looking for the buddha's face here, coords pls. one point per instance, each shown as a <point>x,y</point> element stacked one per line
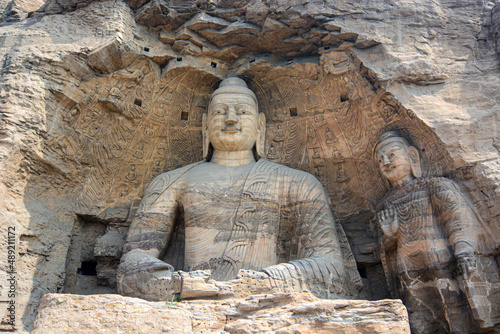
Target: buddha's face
<point>394,162</point>
<point>232,122</point>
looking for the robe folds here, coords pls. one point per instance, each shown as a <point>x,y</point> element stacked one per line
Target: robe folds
<point>271,218</point>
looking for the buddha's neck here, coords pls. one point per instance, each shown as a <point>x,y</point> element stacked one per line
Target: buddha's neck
<point>235,158</point>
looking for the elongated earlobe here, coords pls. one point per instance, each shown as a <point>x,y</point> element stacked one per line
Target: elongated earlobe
<point>204,132</point>
<point>415,161</point>
<point>261,136</point>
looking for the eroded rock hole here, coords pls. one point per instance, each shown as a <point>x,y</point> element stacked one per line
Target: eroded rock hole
<point>214,65</point>
<point>184,115</point>
<point>88,268</point>
<point>146,49</point>
<point>138,102</point>
<point>293,112</point>
<point>362,272</point>
<point>344,97</point>
<point>179,58</point>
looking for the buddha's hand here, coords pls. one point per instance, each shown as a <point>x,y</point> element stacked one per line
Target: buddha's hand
<point>164,284</point>
<point>388,221</point>
<point>142,275</point>
<point>247,273</point>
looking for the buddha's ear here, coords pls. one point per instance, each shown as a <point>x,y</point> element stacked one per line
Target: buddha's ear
<point>261,136</point>
<point>204,133</point>
<point>415,161</point>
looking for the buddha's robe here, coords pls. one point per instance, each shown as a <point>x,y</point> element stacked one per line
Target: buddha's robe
<point>436,228</point>
<point>270,217</point>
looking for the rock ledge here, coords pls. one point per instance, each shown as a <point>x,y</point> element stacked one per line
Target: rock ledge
<point>278,313</point>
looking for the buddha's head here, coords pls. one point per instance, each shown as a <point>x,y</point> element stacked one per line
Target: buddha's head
<point>233,122</point>
<point>398,161</point>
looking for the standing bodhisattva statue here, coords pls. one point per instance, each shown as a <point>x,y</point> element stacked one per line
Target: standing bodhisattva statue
<point>243,216</point>
<point>429,244</point>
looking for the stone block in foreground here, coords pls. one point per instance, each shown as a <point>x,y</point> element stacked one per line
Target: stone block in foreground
<point>279,313</point>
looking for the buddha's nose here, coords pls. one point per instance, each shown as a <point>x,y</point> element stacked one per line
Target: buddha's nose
<point>385,160</point>
<point>231,117</point>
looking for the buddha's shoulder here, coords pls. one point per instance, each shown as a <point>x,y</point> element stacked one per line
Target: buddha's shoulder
<point>266,167</point>
<point>165,179</point>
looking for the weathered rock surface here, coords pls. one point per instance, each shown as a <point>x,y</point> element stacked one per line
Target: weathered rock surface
<point>276,313</point>
<point>434,61</point>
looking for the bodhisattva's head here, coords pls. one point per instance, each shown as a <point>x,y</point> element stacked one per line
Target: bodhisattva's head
<point>233,122</point>
<point>398,161</point>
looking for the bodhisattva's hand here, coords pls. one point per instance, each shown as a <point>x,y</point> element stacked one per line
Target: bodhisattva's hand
<point>388,221</point>
<point>467,265</point>
<point>466,259</point>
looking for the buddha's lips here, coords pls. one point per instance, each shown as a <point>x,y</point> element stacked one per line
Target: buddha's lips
<point>231,129</point>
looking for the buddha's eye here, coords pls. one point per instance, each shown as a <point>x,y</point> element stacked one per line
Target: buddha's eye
<point>392,154</point>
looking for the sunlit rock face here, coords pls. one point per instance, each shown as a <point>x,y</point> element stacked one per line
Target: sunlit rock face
<point>99,98</point>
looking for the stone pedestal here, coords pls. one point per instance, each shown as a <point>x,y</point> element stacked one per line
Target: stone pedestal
<point>277,313</point>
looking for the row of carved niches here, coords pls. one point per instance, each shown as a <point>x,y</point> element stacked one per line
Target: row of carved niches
<point>324,115</point>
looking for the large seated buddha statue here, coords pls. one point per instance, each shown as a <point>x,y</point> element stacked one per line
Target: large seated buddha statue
<point>241,216</point>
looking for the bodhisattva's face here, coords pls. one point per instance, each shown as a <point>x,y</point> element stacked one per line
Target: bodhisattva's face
<point>232,122</point>
<point>394,162</point>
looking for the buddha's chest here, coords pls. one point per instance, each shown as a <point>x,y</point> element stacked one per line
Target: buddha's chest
<point>230,209</point>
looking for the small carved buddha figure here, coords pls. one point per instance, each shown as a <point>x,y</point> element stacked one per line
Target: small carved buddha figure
<point>342,175</point>
<point>312,140</point>
<point>243,216</point>
<point>337,156</point>
<point>149,132</point>
<point>428,246</point>
<point>330,137</point>
<point>131,174</point>
<point>160,110</point>
<point>319,120</point>
<point>280,134</point>
<point>316,154</point>
<point>272,154</point>
<point>139,152</point>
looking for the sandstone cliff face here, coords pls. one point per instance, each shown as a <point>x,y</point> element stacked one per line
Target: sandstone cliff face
<point>430,66</point>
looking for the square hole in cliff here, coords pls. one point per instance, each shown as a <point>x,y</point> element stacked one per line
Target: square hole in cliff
<point>88,268</point>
